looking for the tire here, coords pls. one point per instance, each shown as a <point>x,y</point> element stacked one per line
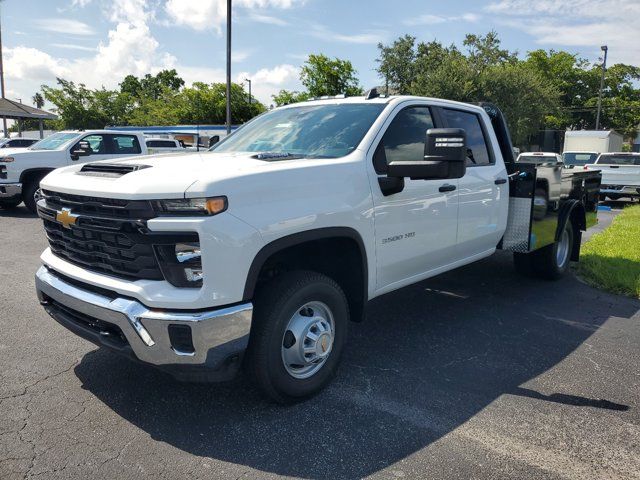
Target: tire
<point>10,204</point>
<point>28,194</point>
<point>553,261</point>
<point>298,301</point>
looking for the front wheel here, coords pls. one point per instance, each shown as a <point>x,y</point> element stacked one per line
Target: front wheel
<point>29,195</point>
<point>298,334</point>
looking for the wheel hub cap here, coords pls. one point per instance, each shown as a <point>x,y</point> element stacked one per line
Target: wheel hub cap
<point>308,340</point>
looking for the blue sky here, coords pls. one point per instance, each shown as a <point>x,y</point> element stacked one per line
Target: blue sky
<point>97,42</point>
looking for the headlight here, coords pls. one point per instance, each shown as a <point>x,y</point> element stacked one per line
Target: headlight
<point>181,264</point>
<point>191,206</point>
<point>7,159</point>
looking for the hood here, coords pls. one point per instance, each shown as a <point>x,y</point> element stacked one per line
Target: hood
<point>151,176</point>
<point>10,152</point>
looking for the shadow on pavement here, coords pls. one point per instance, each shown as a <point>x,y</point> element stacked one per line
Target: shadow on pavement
<point>18,212</point>
<point>427,359</point>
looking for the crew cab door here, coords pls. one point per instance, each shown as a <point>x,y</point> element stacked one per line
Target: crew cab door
<point>415,227</point>
<point>483,192</point>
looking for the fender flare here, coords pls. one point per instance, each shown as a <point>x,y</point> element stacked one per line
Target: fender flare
<point>565,213</point>
<point>288,241</point>
<point>38,171</point>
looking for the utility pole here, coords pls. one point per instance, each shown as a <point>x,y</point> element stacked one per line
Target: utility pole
<point>604,69</point>
<point>249,82</point>
<point>228,67</point>
<point>4,119</point>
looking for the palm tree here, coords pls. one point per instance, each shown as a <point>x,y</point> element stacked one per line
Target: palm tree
<point>38,101</point>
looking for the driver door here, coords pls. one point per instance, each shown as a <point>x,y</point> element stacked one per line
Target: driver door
<point>416,227</point>
<point>98,151</point>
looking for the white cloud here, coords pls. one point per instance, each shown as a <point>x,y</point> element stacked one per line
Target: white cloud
<point>268,81</point>
<point>211,14</point>
<point>369,37</point>
<point>577,23</point>
<point>63,25</point>
<point>22,63</point>
<point>73,46</point>
<point>268,19</point>
<point>429,19</point>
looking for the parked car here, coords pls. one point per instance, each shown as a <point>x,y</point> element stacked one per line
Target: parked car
<point>540,157</point>
<point>579,159</point>
<point>22,169</point>
<point>17,142</point>
<point>164,145</point>
<point>620,175</point>
<point>262,251</point>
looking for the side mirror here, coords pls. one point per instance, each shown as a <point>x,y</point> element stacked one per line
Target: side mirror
<point>445,155</point>
<point>80,149</point>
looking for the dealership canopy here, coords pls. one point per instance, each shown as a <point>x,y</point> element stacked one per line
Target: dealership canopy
<point>18,111</point>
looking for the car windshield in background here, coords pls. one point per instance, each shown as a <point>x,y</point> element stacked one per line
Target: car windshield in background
<point>579,159</point>
<point>536,159</point>
<point>312,131</point>
<point>619,160</point>
<point>52,142</point>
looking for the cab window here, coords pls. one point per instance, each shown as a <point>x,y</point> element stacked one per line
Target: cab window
<point>125,144</point>
<point>97,144</point>
<point>477,150</point>
<point>405,138</point>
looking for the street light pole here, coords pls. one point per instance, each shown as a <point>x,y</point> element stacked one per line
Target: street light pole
<point>4,119</point>
<point>604,69</point>
<point>249,82</point>
<point>228,67</point>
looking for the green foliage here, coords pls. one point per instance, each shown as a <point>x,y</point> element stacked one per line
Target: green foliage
<point>151,100</point>
<point>287,97</point>
<point>321,75</point>
<point>547,89</point>
<point>611,259</point>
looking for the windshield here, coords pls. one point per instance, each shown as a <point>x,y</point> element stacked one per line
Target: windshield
<point>579,159</point>
<point>314,131</point>
<point>536,159</point>
<point>52,142</point>
<point>619,160</point>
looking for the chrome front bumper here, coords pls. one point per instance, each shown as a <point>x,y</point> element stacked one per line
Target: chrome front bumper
<point>9,190</point>
<point>219,337</point>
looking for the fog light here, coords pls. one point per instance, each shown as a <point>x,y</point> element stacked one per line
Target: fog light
<point>181,264</point>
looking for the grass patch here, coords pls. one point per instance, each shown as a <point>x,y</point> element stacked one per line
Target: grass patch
<point>611,259</point>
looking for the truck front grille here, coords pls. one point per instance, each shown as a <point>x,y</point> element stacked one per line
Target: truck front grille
<point>106,236</point>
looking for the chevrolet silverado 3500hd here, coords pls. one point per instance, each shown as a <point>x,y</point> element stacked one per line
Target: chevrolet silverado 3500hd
<point>262,251</point>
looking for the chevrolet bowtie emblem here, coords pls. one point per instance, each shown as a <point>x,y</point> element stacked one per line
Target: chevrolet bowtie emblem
<point>66,218</point>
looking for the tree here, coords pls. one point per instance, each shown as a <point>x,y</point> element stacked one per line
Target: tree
<point>38,100</point>
<point>323,76</point>
<point>484,51</point>
<point>397,64</point>
<point>287,97</point>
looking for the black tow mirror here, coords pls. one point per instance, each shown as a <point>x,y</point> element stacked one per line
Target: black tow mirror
<point>445,154</point>
<point>80,149</point>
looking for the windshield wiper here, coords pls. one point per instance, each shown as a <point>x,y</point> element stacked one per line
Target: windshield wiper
<point>274,156</point>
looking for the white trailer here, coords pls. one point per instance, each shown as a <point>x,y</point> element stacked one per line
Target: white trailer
<point>600,141</point>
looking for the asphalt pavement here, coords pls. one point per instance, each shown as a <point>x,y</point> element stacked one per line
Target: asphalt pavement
<point>478,373</point>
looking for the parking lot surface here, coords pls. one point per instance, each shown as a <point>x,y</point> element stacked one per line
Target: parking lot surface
<point>478,373</point>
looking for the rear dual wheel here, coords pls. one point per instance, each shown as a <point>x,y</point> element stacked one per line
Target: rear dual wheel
<point>550,262</point>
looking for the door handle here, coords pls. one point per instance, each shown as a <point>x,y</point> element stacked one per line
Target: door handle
<point>501,181</point>
<point>447,188</point>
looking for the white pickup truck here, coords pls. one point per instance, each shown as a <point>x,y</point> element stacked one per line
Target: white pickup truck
<point>262,251</point>
<point>620,175</point>
<point>22,169</point>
